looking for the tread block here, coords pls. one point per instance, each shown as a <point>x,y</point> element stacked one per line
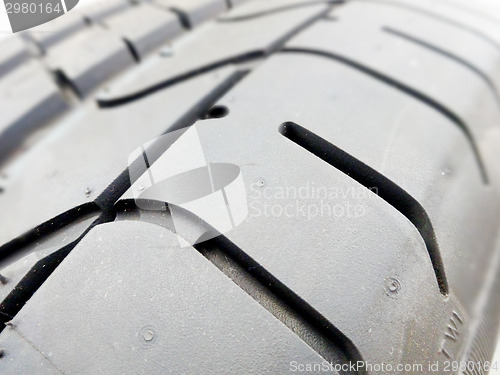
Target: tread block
<point>29,98</point>
<point>65,172</point>
<point>195,12</point>
<point>173,304</point>
<point>14,52</point>
<point>145,27</point>
<point>89,58</point>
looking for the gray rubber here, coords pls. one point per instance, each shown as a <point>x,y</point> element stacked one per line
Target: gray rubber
<point>398,100</point>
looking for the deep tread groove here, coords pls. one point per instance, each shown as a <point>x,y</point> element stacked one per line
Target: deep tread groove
<point>132,50</point>
<point>67,87</point>
<point>449,55</point>
<point>183,18</point>
<point>46,228</point>
<point>368,177</point>
<point>409,91</point>
<point>295,313</point>
<point>38,274</point>
<point>107,103</point>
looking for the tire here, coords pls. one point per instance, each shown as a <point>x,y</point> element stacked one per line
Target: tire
<point>252,187</point>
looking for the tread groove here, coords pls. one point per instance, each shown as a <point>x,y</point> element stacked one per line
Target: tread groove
<point>40,272</point>
<point>437,17</point>
<point>183,18</point>
<point>132,50</point>
<point>291,310</point>
<point>69,90</point>
<point>280,9</point>
<point>46,228</point>
<point>368,177</point>
<point>409,91</point>
<point>449,55</point>
<point>108,103</point>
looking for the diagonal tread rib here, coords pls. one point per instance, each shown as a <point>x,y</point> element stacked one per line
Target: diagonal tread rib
<point>367,176</point>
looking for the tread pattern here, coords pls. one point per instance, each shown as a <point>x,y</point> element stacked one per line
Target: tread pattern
<point>342,289</point>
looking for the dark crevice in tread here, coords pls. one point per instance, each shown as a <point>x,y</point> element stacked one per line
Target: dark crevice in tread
<point>290,309</point>
<point>449,55</point>
<point>218,111</point>
<point>66,86</point>
<point>183,18</point>
<point>368,177</point>
<point>280,9</point>
<point>132,50</point>
<point>409,91</point>
<point>89,21</point>
<point>438,17</point>
<point>46,228</point>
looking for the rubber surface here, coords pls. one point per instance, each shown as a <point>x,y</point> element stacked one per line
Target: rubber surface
<point>393,104</point>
